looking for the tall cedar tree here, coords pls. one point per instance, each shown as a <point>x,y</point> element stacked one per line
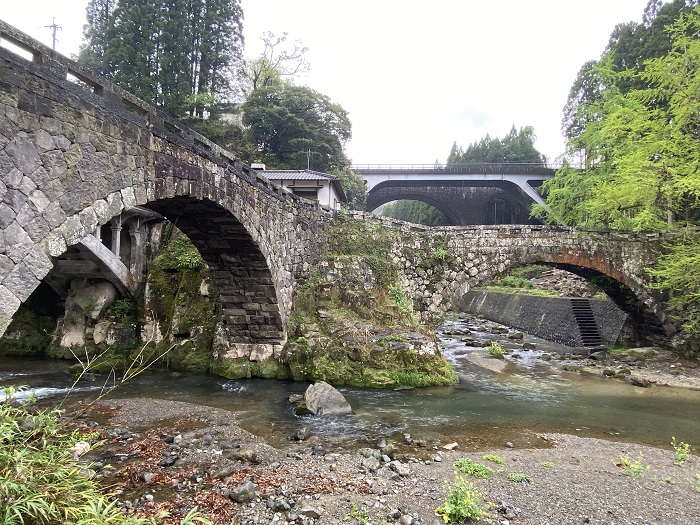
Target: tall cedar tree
<point>516,146</point>
<point>178,54</point>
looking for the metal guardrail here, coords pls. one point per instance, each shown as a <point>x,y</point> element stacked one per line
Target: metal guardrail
<point>501,167</point>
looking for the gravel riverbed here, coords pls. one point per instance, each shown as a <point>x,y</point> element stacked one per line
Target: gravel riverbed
<point>168,455</point>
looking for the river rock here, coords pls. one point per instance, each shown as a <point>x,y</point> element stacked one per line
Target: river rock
<point>322,399</point>
<point>641,353</point>
<point>371,464</point>
<point>244,492</point>
<point>640,381</point>
<point>401,469</point>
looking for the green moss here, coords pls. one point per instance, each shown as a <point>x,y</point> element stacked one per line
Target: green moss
<point>269,369</point>
<point>29,334</point>
<point>229,368</point>
<point>196,362</point>
<point>175,279</point>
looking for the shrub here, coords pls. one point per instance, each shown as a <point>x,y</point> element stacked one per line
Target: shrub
<point>498,460</point>
<point>477,470</point>
<point>510,281</point>
<point>631,467</point>
<point>463,503</point>
<point>40,481</point>
<point>682,451</point>
<point>495,350</point>
<point>519,477</point>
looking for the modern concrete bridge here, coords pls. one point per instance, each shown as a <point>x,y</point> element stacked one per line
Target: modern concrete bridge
<point>77,153</point>
<point>468,194</point>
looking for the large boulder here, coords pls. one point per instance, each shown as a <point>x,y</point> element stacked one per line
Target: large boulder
<point>322,399</point>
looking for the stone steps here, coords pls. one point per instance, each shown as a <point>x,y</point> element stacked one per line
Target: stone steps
<point>587,326</point>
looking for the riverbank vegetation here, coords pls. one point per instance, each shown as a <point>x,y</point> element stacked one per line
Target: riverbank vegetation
<point>41,480</point>
<point>632,160</point>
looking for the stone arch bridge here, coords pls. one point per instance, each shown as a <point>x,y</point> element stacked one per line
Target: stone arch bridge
<point>76,152</point>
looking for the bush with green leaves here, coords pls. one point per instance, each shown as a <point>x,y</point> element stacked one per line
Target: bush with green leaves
<point>40,481</point>
<point>519,477</point>
<point>493,458</point>
<point>470,468</point>
<point>681,450</point>
<point>463,503</point>
<point>495,350</point>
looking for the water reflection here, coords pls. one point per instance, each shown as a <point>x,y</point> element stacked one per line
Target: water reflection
<point>527,397</point>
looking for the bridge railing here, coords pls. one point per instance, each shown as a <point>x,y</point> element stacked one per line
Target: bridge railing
<point>475,167</point>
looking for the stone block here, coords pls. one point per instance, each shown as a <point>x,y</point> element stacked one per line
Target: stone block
<point>21,281</point>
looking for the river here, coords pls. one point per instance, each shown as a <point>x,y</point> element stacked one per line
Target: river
<point>527,399</point>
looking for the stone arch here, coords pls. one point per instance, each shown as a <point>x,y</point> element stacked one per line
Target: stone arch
<point>73,155</point>
<point>647,316</point>
<point>239,269</point>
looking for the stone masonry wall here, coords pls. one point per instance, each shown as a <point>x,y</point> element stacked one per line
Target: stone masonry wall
<point>551,318</point>
<point>75,154</point>
<point>440,265</point>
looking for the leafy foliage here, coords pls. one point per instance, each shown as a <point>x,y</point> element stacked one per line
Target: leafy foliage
<point>632,120</point>
<point>516,146</point>
<point>275,64</point>
<point>41,482</point>
<point>495,350</point>
<point>178,54</point>
<point>470,468</point>
<point>294,127</point>
<point>417,212</point>
<point>681,450</point>
<point>354,187</point>
<point>463,503</point>
<point>493,458</point>
<point>631,467</point>
<point>519,477</point>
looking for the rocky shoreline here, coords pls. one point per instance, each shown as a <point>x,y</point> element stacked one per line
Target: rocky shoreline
<point>168,455</point>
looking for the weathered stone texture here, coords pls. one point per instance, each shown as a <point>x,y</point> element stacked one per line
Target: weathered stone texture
<point>470,256</point>
<point>71,160</point>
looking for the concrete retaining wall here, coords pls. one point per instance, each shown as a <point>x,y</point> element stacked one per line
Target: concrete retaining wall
<point>551,318</point>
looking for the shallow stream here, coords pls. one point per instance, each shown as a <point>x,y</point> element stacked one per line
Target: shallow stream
<point>528,397</point>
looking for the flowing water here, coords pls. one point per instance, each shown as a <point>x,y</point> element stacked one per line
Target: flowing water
<point>528,397</point>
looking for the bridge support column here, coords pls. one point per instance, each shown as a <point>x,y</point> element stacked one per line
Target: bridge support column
<point>116,236</point>
<point>136,261</point>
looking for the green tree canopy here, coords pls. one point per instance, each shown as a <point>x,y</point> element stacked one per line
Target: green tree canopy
<point>294,127</point>
<point>642,168</point>
<point>178,54</point>
<point>516,146</point>
<point>417,212</point>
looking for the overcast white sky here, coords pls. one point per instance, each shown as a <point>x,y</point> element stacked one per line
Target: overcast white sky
<point>415,76</point>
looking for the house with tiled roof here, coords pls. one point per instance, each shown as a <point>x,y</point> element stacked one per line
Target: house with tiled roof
<point>309,184</point>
